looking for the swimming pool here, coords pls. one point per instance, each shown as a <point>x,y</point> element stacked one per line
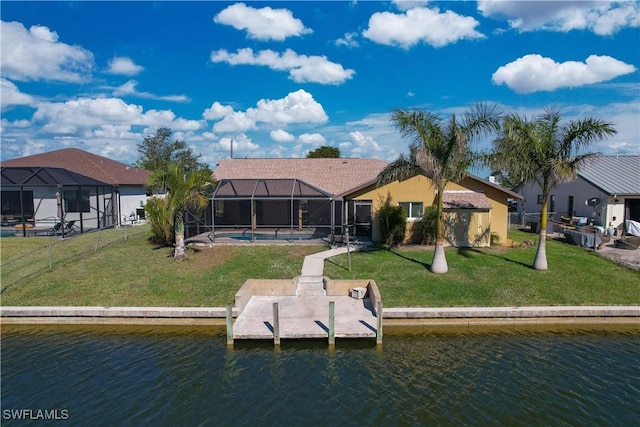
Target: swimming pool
<point>269,236</point>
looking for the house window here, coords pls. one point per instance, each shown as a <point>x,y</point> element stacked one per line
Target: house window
<point>11,203</point>
<point>414,210</point>
<point>540,199</point>
<point>219,208</point>
<point>76,201</point>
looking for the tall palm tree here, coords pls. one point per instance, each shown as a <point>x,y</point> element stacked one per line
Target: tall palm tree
<point>440,150</point>
<point>544,151</point>
<point>185,190</point>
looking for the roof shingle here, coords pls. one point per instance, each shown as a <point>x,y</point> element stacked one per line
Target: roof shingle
<point>84,163</point>
<point>334,176</point>
<point>465,200</point>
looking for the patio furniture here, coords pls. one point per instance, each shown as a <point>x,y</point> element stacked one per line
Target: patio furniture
<point>584,240</point>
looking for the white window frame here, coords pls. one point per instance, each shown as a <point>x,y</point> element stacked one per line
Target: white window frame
<point>411,208</point>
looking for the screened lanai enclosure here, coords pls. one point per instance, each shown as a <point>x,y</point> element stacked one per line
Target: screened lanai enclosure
<point>55,201</point>
<point>255,209</point>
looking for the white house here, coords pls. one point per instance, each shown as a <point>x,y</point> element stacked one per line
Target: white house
<point>614,180</point>
<point>92,190</point>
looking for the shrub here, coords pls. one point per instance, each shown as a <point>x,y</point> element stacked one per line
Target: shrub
<point>393,223</point>
<point>159,216</point>
<point>429,225</point>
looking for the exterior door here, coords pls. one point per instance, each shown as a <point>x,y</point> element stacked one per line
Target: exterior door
<point>362,218</point>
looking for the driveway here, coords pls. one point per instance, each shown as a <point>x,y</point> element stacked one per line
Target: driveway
<point>625,257</point>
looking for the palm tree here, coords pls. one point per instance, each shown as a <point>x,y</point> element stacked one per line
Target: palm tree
<point>440,150</point>
<point>185,190</point>
<point>544,151</point>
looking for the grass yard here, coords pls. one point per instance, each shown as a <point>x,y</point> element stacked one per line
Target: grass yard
<point>135,273</point>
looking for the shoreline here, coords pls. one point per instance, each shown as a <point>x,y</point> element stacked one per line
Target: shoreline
<point>459,317</point>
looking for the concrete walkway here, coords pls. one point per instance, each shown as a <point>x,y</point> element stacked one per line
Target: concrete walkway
<point>313,265</point>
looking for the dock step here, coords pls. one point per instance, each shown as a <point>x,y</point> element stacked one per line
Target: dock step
<point>310,286</point>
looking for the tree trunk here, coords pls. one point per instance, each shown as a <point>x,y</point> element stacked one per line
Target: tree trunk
<point>179,253</point>
<point>540,262</point>
<point>439,262</point>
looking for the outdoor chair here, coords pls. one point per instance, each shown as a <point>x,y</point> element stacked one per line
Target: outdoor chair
<point>53,231</point>
<point>70,226</point>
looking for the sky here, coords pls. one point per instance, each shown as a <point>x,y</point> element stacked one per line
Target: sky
<point>279,79</point>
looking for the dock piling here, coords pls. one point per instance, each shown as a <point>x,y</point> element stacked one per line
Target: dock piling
<point>379,318</point>
<point>276,324</point>
<point>229,325</point>
<point>332,323</point>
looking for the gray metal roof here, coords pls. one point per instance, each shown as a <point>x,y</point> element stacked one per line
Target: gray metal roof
<point>615,175</point>
<point>44,176</point>
<point>267,189</point>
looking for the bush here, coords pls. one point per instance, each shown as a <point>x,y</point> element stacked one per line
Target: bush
<point>429,225</point>
<point>393,223</point>
<point>159,216</point>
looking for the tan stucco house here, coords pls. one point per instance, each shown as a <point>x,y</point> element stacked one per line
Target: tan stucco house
<point>325,194</point>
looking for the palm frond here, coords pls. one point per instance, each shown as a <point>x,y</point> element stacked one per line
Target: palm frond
<point>401,169</point>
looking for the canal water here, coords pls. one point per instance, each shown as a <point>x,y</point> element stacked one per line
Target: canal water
<point>97,376</point>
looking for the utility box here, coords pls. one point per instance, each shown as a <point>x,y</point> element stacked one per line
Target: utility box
<point>357,293</point>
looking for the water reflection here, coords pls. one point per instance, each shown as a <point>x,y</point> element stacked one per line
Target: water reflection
<point>190,377</point>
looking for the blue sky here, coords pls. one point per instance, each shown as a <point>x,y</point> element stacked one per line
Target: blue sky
<point>282,78</point>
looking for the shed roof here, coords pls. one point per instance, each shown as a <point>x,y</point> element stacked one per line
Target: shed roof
<point>39,176</point>
<point>84,163</point>
<point>332,176</point>
<point>465,200</point>
<point>615,175</point>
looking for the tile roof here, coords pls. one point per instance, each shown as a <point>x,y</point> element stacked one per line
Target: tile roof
<point>465,200</point>
<point>84,163</point>
<point>615,175</point>
<point>334,176</point>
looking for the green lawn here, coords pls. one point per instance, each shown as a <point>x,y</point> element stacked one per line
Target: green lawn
<point>136,273</point>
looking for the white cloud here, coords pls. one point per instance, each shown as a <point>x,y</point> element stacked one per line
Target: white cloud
<point>241,143</point>
<point>420,25</point>
<point>36,54</point>
<point>533,73</point>
<point>217,111</point>
<point>296,107</point>
<point>281,135</point>
<point>312,138</point>
<point>235,121</point>
<point>83,115</point>
<point>11,95</point>
<point>124,65</point>
<point>129,89</point>
<point>601,17</point>
<point>361,145</point>
<point>349,40</point>
<point>409,4</point>
<point>262,24</point>
<point>301,68</point>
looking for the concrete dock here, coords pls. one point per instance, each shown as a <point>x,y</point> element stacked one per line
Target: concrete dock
<point>305,317</point>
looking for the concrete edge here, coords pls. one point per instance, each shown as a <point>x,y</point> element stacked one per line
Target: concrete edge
<point>217,315</point>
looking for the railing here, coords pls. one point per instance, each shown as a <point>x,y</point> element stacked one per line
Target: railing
<point>52,255</point>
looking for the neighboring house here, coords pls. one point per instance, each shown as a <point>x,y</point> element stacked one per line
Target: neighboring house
<point>321,193</point>
<point>92,190</point>
<point>614,180</point>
